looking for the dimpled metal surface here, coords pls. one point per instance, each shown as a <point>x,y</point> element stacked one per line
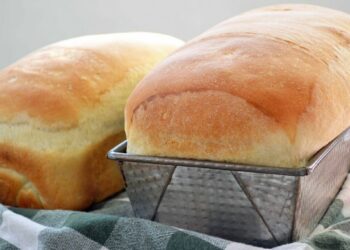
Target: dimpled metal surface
<point>318,189</point>
<point>212,202</point>
<point>274,197</point>
<point>251,204</point>
<point>145,186</point>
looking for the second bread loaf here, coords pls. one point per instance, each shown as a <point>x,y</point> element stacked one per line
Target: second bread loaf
<point>62,109</point>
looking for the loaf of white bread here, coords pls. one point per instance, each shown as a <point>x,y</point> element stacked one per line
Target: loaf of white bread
<point>62,109</point>
<point>268,87</point>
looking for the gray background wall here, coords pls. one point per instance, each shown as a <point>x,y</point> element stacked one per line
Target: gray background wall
<point>26,25</point>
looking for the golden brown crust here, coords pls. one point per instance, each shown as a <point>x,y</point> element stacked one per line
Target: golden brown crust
<point>61,110</point>
<point>261,81</point>
<point>102,170</point>
<point>46,181</point>
<point>76,76</point>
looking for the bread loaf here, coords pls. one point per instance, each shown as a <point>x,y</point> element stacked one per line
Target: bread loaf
<point>268,87</point>
<point>62,109</point>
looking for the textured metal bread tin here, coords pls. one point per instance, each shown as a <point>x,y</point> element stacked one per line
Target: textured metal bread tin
<point>258,205</point>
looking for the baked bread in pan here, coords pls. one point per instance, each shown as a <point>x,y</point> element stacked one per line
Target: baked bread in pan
<point>268,87</point>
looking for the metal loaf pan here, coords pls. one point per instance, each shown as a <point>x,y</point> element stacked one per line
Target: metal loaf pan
<point>265,206</point>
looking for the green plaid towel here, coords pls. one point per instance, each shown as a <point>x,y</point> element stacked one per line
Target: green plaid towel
<point>111,225</point>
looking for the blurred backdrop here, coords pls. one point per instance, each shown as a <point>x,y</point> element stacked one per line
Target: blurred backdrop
<point>27,25</point>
